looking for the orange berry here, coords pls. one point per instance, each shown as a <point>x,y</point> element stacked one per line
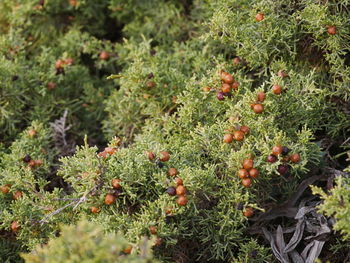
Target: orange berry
<point>38,162</point>
<point>51,85</point>
<point>248,212</point>
<point>235,85</point>
<point>295,158</point>
<point>104,55</point>
<point>15,226</point>
<point>150,84</point>
<point>128,249</point>
<point>95,209</point>
<point>236,60</point>
<point>172,172</point>
<point>153,230</point>
<point>258,108</point>
<point>248,164</point>
<point>32,133</point>
<point>246,182</point>
<point>109,199</point>
<point>31,163</point>
<point>259,17</point>
<point>277,150</point>
<point>227,78</point>
<point>261,96</point>
<point>244,129</point>
<point>276,89</point>
<point>5,188</point>
<point>180,190</point>
<point>182,200</point>
<point>110,150</point>
<point>150,155</point>
<point>332,30</point>
<point>164,156</point>
<point>238,135</point>
<point>116,183</point>
<point>243,173</point>
<point>226,88</point>
<point>254,172</point>
<point>179,181</point>
<point>228,138</point>
<point>17,195</point>
<point>206,89</point>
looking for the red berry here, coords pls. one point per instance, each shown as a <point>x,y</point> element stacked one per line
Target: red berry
<point>227,77</point>
<point>247,182</point>
<point>277,150</point>
<point>109,199</point>
<point>164,156</point>
<point>59,64</point>
<point>182,200</point>
<point>220,96</point>
<point>116,183</point>
<point>254,172</point>
<point>32,133</point>
<point>276,89</point>
<point>95,209</point>
<point>17,195</point>
<point>104,55</point>
<point>228,138</point>
<point>295,158</point>
<point>5,188</point>
<point>172,172</point>
<point>259,17</point>
<point>271,158</point>
<point>226,88</point>
<point>248,212</point>
<point>248,164</point>
<point>153,230</point>
<point>244,129</point>
<point>180,190</point>
<point>282,169</point>
<point>238,135</point>
<point>261,96</point>
<point>150,155</point>
<point>243,173</point>
<point>237,60</point>
<point>15,226</point>
<point>258,108</point>
<point>332,30</point>
<point>235,85</point>
<point>179,181</point>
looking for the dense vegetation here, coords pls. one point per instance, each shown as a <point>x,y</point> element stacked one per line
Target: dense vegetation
<point>174,131</point>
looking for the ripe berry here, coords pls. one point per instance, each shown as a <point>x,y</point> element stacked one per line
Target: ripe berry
<point>110,150</point>
<point>244,129</point>
<point>282,74</point>
<point>51,85</point>
<point>276,89</point>
<point>17,195</point>
<point>247,182</point>
<point>94,209</point>
<point>15,226</point>
<point>228,138</point>
<point>104,55</point>
<point>153,230</point>
<point>116,183</point>
<point>172,172</point>
<point>26,158</point>
<point>32,133</point>
<point>180,190</point>
<point>128,249</point>
<point>258,108</point>
<point>282,169</point>
<point>238,135</point>
<point>243,173</point>
<point>109,199</point>
<point>248,212</point>
<point>182,200</point>
<point>237,60</point>
<point>261,96</point>
<point>220,96</point>
<point>254,172</point>
<point>5,188</point>
<point>206,89</point>
<point>295,158</point>
<point>179,181</point>
<point>285,150</point>
<point>235,85</point>
<point>164,156</point>
<point>150,155</point>
<point>286,158</point>
<point>59,64</point>
<point>31,163</point>
<point>226,88</point>
<point>171,191</point>
<point>150,84</point>
<point>332,30</point>
<point>259,17</point>
<point>38,162</point>
<point>277,150</point>
<point>271,159</point>
<point>248,164</point>
<point>158,242</point>
<point>227,78</point>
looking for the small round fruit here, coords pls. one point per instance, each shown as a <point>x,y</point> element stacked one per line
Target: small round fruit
<point>32,133</point>
<point>277,150</point>
<point>164,156</point>
<point>332,30</point>
<point>276,89</point>
<point>243,173</point>
<point>238,135</point>
<point>153,230</point>
<point>182,200</point>
<point>254,173</point>
<point>180,190</point>
<point>116,183</point>
<point>244,129</point>
<point>295,158</point>
<point>104,55</point>
<point>171,191</point>
<point>285,150</point>
<point>73,2</point>
<point>228,138</point>
<point>248,164</point>
<point>248,212</point>
<point>38,162</point>
<point>95,209</point>
<point>220,96</point>
<point>59,64</point>
<point>179,181</point>
<point>247,182</point>
<point>128,249</point>
<point>15,226</point>
<point>258,108</point>
<point>172,172</point>
<point>235,85</point>
<point>282,169</point>
<point>109,199</point>
<point>227,78</point>
<point>206,89</point>
<point>226,88</point>
<point>150,84</point>
<point>281,73</point>
<point>17,195</point>
<point>31,163</point>
<point>5,188</point>
<point>261,96</point>
<point>158,242</point>
<point>237,61</point>
<point>271,158</point>
<point>259,17</point>
<point>51,85</point>
<point>150,156</point>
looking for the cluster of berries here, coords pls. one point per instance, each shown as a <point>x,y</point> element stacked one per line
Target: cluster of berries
<point>247,172</point>
<point>284,151</point>
<point>237,135</point>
